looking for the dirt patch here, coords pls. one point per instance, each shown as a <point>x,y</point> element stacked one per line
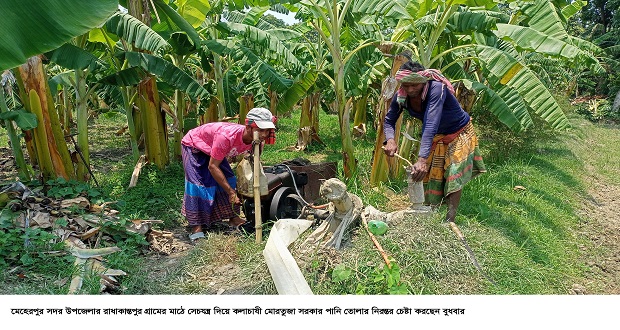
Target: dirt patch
<point>8,170</point>
<point>602,228</point>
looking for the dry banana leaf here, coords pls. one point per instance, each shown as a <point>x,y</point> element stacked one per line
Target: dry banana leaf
<point>80,202</point>
<point>41,219</point>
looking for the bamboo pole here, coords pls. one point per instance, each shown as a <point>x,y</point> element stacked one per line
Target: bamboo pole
<point>257,212</point>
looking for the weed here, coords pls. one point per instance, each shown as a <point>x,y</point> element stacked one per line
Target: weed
<point>24,246</point>
<point>598,110</point>
<point>61,188</point>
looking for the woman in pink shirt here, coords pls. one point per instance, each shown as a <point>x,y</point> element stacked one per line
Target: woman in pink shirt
<point>210,183</point>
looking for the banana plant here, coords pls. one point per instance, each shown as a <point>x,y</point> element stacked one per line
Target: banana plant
<point>333,21</point>
<point>81,62</point>
<point>136,53</point>
<point>260,61</point>
<point>28,35</point>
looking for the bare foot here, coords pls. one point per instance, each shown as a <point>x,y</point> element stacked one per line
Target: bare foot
<point>236,222</point>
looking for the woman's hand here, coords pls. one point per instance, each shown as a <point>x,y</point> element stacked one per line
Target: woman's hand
<point>232,197</point>
<point>419,170</point>
<point>390,148</point>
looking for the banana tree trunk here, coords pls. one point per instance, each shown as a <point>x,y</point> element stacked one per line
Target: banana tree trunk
<point>153,124</point>
<point>180,109</point>
<point>179,101</point>
<point>68,112</point>
<point>308,121</point>
<point>348,157</point>
<point>154,121</point>
<point>466,97</point>
<point>81,100</point>
<point>310,112</point>
<point>218,73</point>
<point>28,135</point>
<point>219,80</point>
<point>211,115</point>
<point>129,95</point>
<point>61,107</point>
<point>51,148</point>
<point>381,166</point>
<point>246,103</point>
<point>22,168</point>
<point>273,102</point>
<point>359,116</point>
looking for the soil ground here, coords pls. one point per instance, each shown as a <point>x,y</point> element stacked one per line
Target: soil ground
<point>601,208</point>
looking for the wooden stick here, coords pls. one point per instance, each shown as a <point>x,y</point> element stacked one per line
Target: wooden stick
<point>401,157</point>
<point>257,212</point>
<point>374,240</point>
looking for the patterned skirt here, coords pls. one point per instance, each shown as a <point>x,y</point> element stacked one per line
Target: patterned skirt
<point>454,160</point>
<point>204,201</point>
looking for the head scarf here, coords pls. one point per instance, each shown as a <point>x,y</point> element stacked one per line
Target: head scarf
<point>407,76</point>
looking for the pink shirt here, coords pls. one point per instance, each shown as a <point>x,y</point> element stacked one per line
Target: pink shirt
<point>219,139</point>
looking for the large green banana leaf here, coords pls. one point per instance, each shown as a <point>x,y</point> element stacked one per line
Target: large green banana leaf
<point>532,40</point>
<point>31,27</point>
<point>516,75</point>
<point>25,120</point>
<point>516,104</point>
<point>573,8</point>
<point>284,34</point>
<point>231,92</point>
<point>74,58</point>
<point>66,79</point>
<point>252,16</point>
<point>537,97</point>
<point>297,91</point>
<point>468,22</point>
<point>382,8</point>
<point>142,63</point>
<point>495,104</point>
<point>267,74</point>
<point>501,16</point>
<point>593,50</point>
<point>127,77</point>
<point>542,16</point>
<point>194,11</point>
<point>178,20</point>
<point>262,41</point>
<point>134,31</point>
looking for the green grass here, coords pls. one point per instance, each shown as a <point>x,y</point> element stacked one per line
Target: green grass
<point>4,138</point>
<point>527,241</point>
